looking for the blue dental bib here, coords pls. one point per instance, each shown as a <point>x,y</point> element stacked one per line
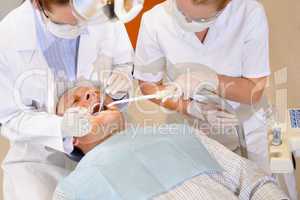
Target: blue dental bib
<point>138,164</point>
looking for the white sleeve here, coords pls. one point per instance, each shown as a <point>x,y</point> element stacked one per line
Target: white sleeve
<point>25,124</point>
<point>122,47</point>
<point>256,45</point>
<point>122,55</point>
<point>149,63</point>
<point>113,44</point>
<point>34,127</point>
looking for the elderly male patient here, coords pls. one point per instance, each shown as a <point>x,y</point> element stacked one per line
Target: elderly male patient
<point>104,123</point>
<point>155,166</point>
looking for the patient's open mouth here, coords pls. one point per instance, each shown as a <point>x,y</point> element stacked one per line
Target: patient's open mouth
<point>94,109</point>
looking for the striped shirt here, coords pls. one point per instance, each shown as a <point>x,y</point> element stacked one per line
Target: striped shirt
<point>60,53</point>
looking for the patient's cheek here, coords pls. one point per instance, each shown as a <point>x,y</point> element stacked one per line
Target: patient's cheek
<point>84,104</point>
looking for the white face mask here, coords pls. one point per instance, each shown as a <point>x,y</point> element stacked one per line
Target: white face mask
<point>64,31</point>
<point>190,26</point>
<point>124,15</point>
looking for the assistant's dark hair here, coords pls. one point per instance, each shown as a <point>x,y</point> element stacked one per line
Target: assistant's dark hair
<point>46,5</point>
<point>110,10</point>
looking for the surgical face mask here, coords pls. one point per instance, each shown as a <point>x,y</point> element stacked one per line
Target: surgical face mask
<point>100,11</point>
<point>190,25</point>
<point>126,14</point>
<point>64,31</point>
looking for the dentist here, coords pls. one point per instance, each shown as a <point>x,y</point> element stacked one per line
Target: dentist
<point>47,47</point>
<point>220,46</point>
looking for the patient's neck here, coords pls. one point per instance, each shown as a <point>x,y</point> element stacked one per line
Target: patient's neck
<point>85,148</point>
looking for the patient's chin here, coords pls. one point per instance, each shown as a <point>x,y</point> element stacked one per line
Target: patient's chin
<point>85,146</point>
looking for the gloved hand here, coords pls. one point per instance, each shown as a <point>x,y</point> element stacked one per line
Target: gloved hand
<point>118,84</point>
<point>212,113</point>
<point>76,122</point>
<point>194,82</point>
<point>170,92</point>
<point>116,79</point>
<point>76,106</point>
<point>80,110</point>
<point>104,125</point>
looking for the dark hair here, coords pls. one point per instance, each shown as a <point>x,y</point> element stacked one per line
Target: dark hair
<point>46,5</point>
<point>110,10</point>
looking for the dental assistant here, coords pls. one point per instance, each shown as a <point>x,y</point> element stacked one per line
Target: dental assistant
<point>48,46</point>
<point>222,45</point>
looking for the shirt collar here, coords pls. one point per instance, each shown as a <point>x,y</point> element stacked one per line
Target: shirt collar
<point>41,30</point>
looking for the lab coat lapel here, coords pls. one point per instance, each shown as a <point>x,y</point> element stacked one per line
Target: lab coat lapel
<point>87,55</point>
<point>33,60</point>
<point>31,57</point>
<point>190,38</point>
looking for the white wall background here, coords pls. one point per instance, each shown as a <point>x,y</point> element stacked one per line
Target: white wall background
<point>7,5</point>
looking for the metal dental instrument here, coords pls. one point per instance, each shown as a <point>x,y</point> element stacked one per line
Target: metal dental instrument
<point>206,97</point>
<point>158,95</point>
<point>134,99</point>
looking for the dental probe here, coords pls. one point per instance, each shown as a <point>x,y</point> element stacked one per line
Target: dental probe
<point>158,95</point>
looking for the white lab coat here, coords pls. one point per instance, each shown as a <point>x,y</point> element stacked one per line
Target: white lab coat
<point>237,45</point>
<point>35,161</point>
